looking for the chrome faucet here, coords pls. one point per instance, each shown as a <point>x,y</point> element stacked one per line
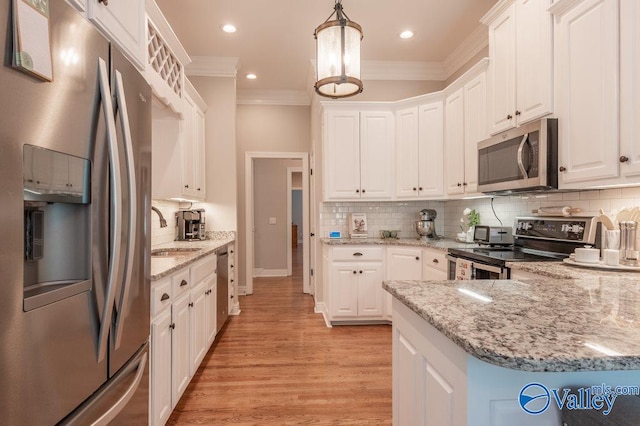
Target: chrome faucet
<point>163,222</point>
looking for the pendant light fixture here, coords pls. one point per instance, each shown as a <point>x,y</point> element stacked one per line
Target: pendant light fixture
<point>338,56</point>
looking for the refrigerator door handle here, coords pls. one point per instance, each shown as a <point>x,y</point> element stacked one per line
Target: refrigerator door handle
<point>116,408</point>
<point>122,303</point>
<point>116,191</point>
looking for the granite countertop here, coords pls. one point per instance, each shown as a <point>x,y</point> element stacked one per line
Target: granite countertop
<point>163,266</point>
<point>562,270</point>
<point>541,324</point>
<point>442,244</point>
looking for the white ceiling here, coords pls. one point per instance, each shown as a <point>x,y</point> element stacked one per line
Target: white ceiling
<point>275,38</point>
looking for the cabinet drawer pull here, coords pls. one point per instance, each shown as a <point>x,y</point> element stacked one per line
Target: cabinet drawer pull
<point>435,261</point>
<point>357,253</point>
<point>164,297</point>
<point>105,2</point>
<point>183,283</point>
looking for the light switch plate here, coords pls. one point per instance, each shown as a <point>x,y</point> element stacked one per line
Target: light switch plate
<point>272,221</point>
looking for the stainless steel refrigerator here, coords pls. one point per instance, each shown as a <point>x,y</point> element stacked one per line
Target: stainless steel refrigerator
<point>75,179</point>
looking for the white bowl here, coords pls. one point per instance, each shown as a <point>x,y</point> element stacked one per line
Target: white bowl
<point>587,255</point>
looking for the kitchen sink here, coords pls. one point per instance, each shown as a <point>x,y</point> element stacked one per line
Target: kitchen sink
<point>173,252</point>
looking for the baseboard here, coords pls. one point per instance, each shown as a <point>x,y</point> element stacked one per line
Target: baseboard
<point>261,272</point>
<point>321,308</point>
<point>242,291</point>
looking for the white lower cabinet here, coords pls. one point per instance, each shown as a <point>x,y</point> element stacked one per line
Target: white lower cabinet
<point>183,316</point>
<point>355,283</point>
<point>434,265</point>
<point>402,263</point>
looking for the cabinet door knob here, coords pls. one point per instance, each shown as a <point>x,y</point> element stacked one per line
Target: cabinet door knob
<point>360,271</point>
<point>183,283</point>
<point>198,189</point>
<point>624,159</point>
<point>464,184</point>
<point>417,257</point>
<point>186,186</point>
<point>164,297</point>
<point>459,184</point>
<point>415,189</point>
<point>562,168</point>
<point>357,191</point>
<point>420,188</point>
<point>172,325</point>
<point>363,191</point>
<point>517,112</point>
<point>355,272</point>
<point>191,304</point>
<point>105,2</point>
<point>509,116</point>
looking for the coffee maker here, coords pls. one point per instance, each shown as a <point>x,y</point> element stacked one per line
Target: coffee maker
<point>191,225</point>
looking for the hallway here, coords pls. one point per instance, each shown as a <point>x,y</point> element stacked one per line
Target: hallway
<point>277,363</point>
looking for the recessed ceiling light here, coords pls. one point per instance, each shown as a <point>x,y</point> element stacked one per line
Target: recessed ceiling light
<point>406,34</point>
<point>228,28</point>
<point>251,76</point>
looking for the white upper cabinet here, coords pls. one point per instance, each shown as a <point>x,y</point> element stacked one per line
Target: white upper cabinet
<point>475,128</point>
<point>358,155</point>
<point>520,70</point>
<point>193,167</point>
<point>454,141</point>
<point>124,23</point>
<point>630,88</point>
<point>587,87</point>
<point>419,151</point>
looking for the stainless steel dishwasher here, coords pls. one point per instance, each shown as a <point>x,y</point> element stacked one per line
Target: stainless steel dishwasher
<point>222,284</point>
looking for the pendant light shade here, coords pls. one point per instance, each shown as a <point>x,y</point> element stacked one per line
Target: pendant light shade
<point>338,56</point>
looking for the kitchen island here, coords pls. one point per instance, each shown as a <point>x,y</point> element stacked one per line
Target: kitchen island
<point>464,350</point>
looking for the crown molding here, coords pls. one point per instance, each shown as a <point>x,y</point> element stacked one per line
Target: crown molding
<point>213,66</point>
<point>470,47</point>
<point>272,97</point>
<point>496,11</point>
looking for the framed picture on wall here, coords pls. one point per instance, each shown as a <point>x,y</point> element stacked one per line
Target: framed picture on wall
<point>358,225</point>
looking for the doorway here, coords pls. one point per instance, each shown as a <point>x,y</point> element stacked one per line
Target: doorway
<point>259,223</point>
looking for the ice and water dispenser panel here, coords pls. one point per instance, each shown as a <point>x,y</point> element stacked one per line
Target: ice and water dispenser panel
<point>57,226</point>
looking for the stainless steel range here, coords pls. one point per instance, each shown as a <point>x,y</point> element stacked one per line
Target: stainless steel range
<point>536,239</point>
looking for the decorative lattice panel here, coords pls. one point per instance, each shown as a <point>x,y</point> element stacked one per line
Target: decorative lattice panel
<point>163,61</point>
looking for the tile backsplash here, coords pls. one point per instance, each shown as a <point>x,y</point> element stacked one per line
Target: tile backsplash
<point>402,215</point>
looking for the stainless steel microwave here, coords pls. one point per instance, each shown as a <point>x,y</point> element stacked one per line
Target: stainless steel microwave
<point>523,159</point>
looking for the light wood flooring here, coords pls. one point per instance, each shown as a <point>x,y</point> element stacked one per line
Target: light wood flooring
<point>278,364</point>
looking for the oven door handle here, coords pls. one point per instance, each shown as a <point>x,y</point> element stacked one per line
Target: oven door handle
<point>478,265</point>
<point>488,268</point>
